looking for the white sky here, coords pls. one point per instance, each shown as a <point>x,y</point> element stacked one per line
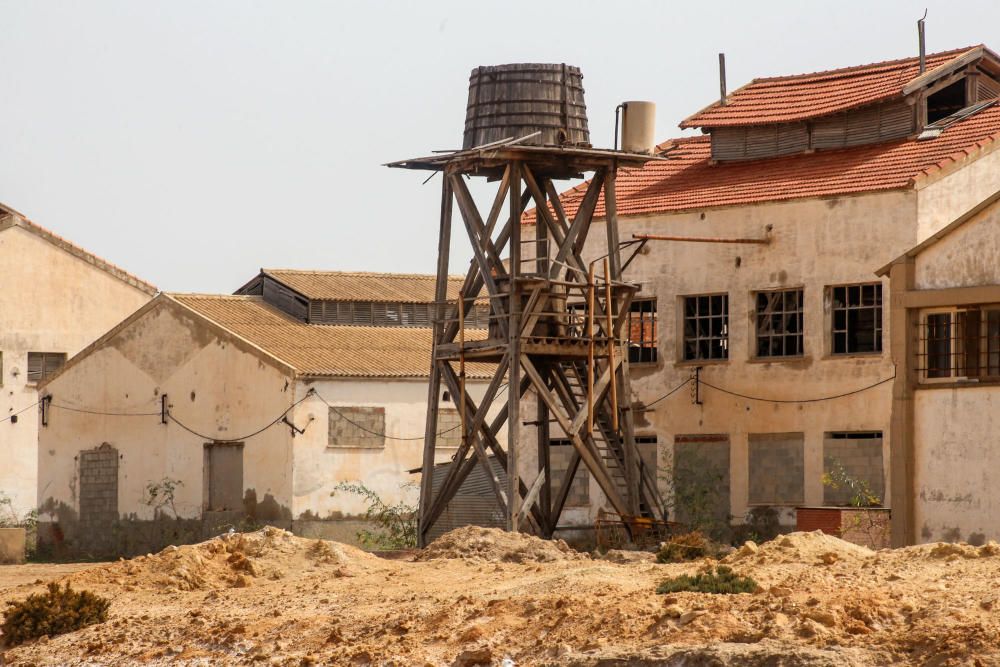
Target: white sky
<point>194,142</point>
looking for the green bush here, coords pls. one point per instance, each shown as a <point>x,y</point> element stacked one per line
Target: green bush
<point>683,547</point>
<point>52,613</point>
<point>722,581</point>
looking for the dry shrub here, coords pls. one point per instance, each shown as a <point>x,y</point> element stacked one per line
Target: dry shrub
<point>722,581</point>
<point>684,547</point>
<point>52,613</point>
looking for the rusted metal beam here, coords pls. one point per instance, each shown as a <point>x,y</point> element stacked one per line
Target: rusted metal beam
<point>702,239</point>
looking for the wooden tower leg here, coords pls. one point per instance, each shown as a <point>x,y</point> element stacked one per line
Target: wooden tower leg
<point>514,343</point>
<point>434,384</point>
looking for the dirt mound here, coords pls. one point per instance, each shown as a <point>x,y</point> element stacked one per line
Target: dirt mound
<point>807,548</point>
<point>948,551</point>
<point>228,561</point>
<point>498,546</point>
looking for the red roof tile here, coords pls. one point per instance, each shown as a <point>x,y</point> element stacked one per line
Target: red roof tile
<point>785,99</point>
<point>690,181</point>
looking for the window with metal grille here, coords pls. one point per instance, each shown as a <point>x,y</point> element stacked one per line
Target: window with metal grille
<point>960,343</point>
<point>642,342</point>
<point>43,365</point>
<point>706,327</point>
<point>779,323</point>
<point>857,318</point>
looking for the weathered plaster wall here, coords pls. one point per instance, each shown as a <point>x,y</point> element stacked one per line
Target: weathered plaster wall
<point>51,302</point>
<point>215,385</point>
<point>319,467</point>
<point>966,257</point>
<point>816,243</point>
<point>958,188</point>
<point>956,452</point>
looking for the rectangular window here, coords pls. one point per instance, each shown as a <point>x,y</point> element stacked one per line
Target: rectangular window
<point>706,327</point>
<point>361,427</point>
<point>449,427</point>
<point>43,365</point>
<point>857,318</point>
<point>642,343</point>
<point>960,343</point>
<point>779,323</point>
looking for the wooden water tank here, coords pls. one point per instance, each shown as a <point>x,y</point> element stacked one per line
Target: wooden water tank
<point>514,101</point>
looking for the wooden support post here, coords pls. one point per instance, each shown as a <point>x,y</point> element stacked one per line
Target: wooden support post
<point>460,306</point>
<point>610,332</point>
<point>514,352</point>
<point>434,384</point>
<point>590,350</point>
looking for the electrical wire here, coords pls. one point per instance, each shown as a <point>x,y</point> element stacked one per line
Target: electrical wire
<point>9,417</point>
<point>798,400</point>
<point>385,435</point>
<point>277,420</point>
<point>105,414</point>
<point>668,394</point>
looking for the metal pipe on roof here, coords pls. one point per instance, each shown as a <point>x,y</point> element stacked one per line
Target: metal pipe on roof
<point>923,47</point>
<point>722,79</point>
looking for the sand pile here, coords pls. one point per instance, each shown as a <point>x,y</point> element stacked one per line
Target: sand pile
<point>806,548</point>
<point>227,561</point>
<point>948,551</point>
<point>496,546</point>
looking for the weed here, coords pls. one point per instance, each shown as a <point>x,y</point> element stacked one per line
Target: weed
<point>683,547</point>
<point>55,612</point>
<point>722,581</point>
<point>395,525</point>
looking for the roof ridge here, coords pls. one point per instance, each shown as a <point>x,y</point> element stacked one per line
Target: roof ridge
<point>19,220</point>
<point>887,64</point>
<point>367,274</point>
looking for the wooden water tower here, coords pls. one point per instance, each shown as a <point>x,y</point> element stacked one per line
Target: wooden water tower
<point>557,322</point>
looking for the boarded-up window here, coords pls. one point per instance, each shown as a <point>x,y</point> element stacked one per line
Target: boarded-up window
<point>560,455</point>
<point>223,476</point>
<point>852,463</point>
<point>450,427</point>
<point>777,474</point>
<point>356,427</point>
<point>701,480</point>
<point>98,486</point>
<point>43,365</point>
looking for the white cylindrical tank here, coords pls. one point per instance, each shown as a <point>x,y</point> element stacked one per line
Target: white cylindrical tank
<point>639,127</point>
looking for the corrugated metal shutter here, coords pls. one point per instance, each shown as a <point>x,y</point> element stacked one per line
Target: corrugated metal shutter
<point>473,505</point>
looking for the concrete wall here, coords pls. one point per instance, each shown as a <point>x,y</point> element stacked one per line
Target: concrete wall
<point>815,244</point>
<point>956,188</point>
<point>52,302</point>
<point>956,453</point>
<point>215,384</point>
<point>323,459</point>
<point>965,258</point>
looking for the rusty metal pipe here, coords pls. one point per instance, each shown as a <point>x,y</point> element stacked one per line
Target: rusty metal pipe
<point>700,239</point>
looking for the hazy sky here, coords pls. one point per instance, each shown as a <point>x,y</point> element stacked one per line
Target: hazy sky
<point>193,142</point>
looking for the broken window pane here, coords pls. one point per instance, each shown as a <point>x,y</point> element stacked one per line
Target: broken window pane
<point>857,318</point>
<point>779,323</point>
<point>642,343</point>
<point>706,327</point>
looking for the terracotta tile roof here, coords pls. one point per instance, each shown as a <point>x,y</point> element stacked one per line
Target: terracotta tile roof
<point>11,218</point>
<point>690,181</point>
<point>784,99</point>
<point>363,286</point>
<point>335,351</point>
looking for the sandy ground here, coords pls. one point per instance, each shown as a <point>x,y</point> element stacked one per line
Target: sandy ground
<point>482,596</point>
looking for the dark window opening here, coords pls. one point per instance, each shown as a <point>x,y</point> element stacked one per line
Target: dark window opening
<point>642,343</point>
<point>857,319</point>
<point>706,327</point>
<point>779,323</point>
<point>946,101</point>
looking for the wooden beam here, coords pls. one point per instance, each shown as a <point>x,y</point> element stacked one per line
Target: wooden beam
<point>434,384</point>
<point>514,370</point>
